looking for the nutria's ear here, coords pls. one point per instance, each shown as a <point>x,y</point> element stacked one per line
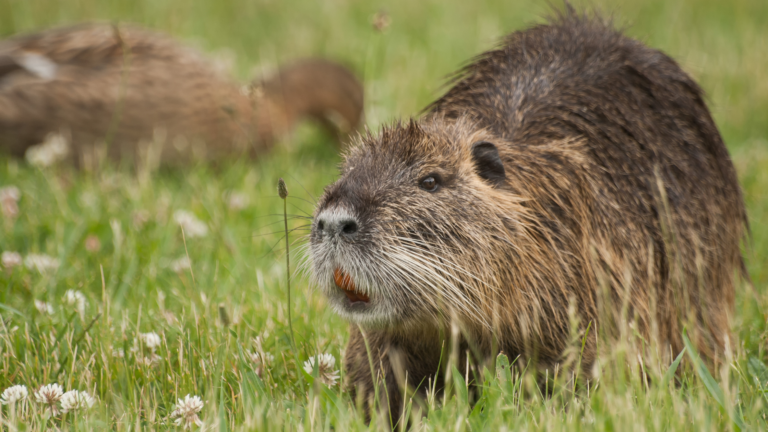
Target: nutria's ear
<point>488,163</point>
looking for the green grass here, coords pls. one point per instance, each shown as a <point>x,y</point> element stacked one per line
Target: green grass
<point>239,266</point>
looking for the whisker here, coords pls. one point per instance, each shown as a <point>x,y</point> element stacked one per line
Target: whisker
<point>303,199</point>
<point>305,189</point>
<point>271,250</point>
<point>396,278</point>
<point>279,222</point>
<point>275,249</point>
<point>444,259</point>
<point>453,266</point>
<point>281,215</point>
<point>412,264</point>
<point>454,296</point>
<point>300,228</point>
<point>302,211</point>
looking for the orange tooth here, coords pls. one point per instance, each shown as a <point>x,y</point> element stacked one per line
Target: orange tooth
<point>344,281</point>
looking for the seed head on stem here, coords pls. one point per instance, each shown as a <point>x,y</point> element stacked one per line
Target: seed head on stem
<point>282,190</point>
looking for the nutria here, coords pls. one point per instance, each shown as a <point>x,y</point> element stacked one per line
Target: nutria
<point>122,85</point>
<point>571,167</point>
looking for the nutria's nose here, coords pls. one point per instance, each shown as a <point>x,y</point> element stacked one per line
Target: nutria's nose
<point>348,227</point>
<point>337,223</point>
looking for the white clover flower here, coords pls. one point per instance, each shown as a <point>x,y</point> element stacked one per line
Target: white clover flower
<point>74,400</point>
<point>146,341</point>
<point>185,412</point>
<point>11,259</point>
<point>14,394</point>
<point>52,150</point>
<point>237,201</point>
<point>41,263</point>
<point>193,227</point>
<point>77,299</point>
<point>9,198</point>
<point>43,307</point>
<point>325,366</point>
<point>181,264</point>
<point>50,395</point>
<point>150,340</point>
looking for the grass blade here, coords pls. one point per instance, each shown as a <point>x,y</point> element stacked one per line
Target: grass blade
<point>713,387</point>
<point>672,368</point>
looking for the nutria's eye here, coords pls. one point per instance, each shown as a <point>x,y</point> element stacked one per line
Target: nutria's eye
<point>429,184</point>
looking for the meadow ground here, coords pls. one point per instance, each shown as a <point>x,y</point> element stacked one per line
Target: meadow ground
<point>118,244</point>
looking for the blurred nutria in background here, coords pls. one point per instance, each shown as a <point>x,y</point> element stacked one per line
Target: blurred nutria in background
<point>127,92</point>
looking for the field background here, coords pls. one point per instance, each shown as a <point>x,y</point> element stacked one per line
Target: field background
<point>240,263</point>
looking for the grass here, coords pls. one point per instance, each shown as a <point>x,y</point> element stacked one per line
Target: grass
<point>209,316</point>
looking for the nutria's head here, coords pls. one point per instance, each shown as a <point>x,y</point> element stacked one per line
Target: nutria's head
<point>419,226</point>
<point>312,88</point>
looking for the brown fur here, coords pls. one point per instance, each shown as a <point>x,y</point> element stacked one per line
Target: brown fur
<point>315,88</point>
<point>124,85</point>
<point>618,199</point>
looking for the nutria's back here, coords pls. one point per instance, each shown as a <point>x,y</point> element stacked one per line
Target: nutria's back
<point>582,77</point>
<point>570,166</point>
<point>644,124</point>
<point>114,84</point>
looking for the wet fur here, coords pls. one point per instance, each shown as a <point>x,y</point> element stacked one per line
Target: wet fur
<point>620,199</point>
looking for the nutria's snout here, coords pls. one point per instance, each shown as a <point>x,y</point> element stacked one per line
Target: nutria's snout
<point>339,266</point>
<point>335,225</point>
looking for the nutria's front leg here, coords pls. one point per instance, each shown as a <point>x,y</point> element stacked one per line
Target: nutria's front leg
<point>395,361</point>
